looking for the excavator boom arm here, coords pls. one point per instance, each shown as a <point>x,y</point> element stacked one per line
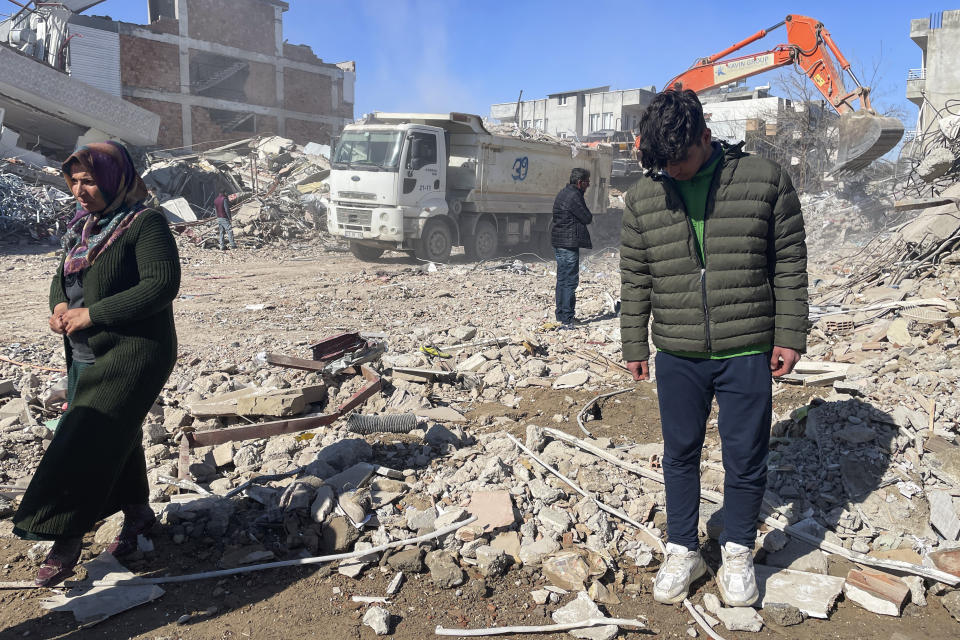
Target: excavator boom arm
<point>810,47</point>
<point>863,135</point>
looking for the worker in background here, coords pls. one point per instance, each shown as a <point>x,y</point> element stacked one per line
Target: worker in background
<point>569,234</point>
<point>224,218</point>
<point>713,246</point>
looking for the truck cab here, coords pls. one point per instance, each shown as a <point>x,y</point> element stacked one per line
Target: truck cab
<point>386,179</point>
<point>425,182</point>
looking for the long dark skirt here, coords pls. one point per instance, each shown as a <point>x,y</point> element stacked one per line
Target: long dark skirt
<point>94,466</point>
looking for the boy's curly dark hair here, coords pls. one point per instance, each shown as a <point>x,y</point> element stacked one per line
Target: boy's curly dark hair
<point>672,123</point>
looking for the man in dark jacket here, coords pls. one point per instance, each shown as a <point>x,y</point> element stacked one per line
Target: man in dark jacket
<point>713,247</point>
<point>570,219</point>
<point>224,219</point>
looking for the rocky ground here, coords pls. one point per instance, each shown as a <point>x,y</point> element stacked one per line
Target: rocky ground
<point>854,461</point>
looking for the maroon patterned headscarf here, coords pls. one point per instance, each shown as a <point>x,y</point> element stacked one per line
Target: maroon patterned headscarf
<point>90,233</point>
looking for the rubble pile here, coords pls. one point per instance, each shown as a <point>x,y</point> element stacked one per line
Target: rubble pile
<point>280,189</point>
<point>934,155</point>
<point>853,462</point>
<point>32,212</point>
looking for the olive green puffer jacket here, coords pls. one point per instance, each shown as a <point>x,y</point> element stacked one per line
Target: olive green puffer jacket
<point>752,289</point>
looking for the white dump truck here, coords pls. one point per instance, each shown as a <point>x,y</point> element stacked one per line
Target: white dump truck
<point>425,183</point>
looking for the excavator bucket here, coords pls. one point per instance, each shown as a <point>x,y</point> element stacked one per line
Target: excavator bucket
<point>864,137</point>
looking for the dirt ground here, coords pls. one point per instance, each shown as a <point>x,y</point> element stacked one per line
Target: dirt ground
<point>314,603</point>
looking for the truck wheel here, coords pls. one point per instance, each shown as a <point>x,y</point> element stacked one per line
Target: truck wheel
<point>482,245</point>
<point>365,252</point>
<point>435,243</point>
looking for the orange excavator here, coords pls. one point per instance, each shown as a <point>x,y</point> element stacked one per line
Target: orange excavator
<point>864,135</point>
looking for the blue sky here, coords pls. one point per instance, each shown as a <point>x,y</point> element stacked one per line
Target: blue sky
<point>458,55</point>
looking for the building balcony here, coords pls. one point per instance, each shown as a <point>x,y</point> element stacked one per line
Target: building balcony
<point>919,29</point>
<point>916,83</point>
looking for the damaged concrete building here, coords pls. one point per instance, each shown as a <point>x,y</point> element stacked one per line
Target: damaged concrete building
<point>574,114</point>
<point>215,70</point>
<point>201,71</point>
<point>937,81</point>
<point>43,109</point>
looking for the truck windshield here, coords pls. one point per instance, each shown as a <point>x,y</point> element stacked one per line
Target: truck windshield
<point>368,150</point>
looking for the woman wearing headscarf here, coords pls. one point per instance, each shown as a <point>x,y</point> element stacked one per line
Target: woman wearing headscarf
<point>111,298</point>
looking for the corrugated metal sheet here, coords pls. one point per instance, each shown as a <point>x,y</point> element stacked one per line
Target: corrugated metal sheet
<point>95,58</point>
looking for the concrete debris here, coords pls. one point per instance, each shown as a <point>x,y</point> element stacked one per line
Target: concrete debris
<point>935,164</point>
<point>811,593</point>
<point>783,614</point>
<point>29,213</point>
<point>868,462</point>
<point>583,608</point>
<point>378,619</point>
<point>740,619</point>
<point>876,591</point>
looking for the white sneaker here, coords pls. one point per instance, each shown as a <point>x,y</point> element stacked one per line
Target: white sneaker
<point>679,569</point>
<point>735,579</point>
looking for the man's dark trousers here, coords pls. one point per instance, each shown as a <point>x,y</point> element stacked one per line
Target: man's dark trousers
<point>568,277</point>
<point>685,389</point>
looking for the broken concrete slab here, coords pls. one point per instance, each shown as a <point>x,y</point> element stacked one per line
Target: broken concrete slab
<point>91,605</point>
<point>472,364</point>
<point>897,332</point>
<point>943,514</point>
<point>494,509</point>
<point>740,619</point>
<point>876,591</point>
<point>509,542</point>
<point>944,456</point>
<point>323,503</point>
<point>799,556</point>
<point>567,570</point>
<point>351,478</point>
<point>353,567</point>
<point>259,401</point>
<point>281,402</point>
<point>583,608</point>
<point>378,619</point>
<point>444,570</point>
<point>571,380</point>
<point>814,594</point>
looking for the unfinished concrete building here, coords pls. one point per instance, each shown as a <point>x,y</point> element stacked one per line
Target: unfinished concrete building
<point>202,71</point>
<point>216,70</point>
<point>579,112</point>
<point>44,109</point>
<point>936,83</point>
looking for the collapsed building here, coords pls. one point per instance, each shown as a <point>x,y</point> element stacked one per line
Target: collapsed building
<point>933,150</point>
<point>202,71</point>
